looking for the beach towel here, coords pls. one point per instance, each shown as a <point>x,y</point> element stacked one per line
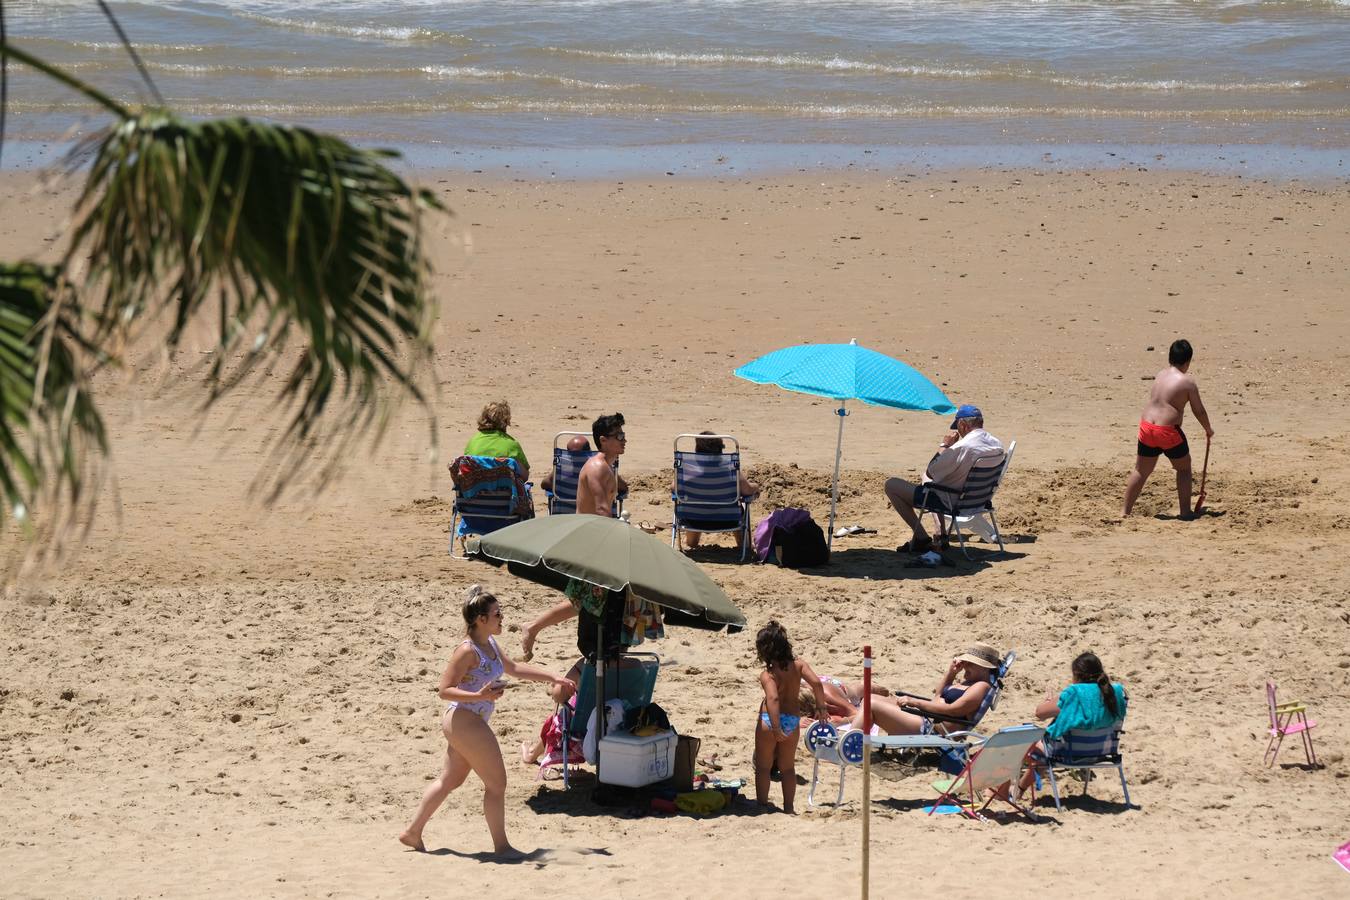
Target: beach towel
<point>780,518</point>
<point>473,475</point>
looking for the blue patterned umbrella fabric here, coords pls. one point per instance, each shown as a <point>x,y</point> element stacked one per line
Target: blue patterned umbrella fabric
<point>847,372</point>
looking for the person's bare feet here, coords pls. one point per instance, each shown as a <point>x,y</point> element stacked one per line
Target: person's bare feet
<point>408,839</point>
<point>527,754</point>
<point>508,853</point>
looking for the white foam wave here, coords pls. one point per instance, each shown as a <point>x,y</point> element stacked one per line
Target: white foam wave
<point>839,64</point>
<point>509,105</point>
<point>395,33</point>
<point>455,73</point>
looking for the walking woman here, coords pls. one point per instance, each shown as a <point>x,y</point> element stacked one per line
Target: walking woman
<point>472,683</point>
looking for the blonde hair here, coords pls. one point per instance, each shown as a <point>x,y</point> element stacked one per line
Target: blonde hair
<point>806,703</point>
<point>496,416</point>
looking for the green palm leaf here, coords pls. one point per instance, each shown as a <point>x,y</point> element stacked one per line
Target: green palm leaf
<point>48,421</point>
<point>281,231</point>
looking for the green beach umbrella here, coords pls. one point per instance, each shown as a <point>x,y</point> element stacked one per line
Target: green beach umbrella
<point>613,555</point>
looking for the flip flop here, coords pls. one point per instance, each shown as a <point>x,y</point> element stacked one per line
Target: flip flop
<point>915,545</point>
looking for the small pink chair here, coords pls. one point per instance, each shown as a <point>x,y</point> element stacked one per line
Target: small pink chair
<point>1287,718</point>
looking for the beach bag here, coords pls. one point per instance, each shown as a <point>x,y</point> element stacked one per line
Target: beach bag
<point>802,545</point>
<point>648,716</point>
<point>686,754</point>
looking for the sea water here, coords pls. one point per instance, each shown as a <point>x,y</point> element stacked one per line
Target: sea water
<point>694,85</point>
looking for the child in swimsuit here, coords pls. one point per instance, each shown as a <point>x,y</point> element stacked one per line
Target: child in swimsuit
<point>472,684</point>
<point>777,731</point>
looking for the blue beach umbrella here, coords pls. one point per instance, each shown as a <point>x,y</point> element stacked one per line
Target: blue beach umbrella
<point>846,372</point>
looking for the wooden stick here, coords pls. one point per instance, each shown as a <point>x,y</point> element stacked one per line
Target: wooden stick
<point>867,766</point>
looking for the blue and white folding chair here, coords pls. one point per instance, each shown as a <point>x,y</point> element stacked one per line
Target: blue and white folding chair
<point>567,464</point>
<point>1085,751</point>
<point>488,496</point>
<point>975,498</point>
<point>707,492</point>
<point>631,678</point>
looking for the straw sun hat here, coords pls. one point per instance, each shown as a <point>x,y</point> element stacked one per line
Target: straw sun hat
<point>981,655</point>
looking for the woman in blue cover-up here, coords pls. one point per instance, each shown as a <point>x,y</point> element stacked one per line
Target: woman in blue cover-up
<point>1093,701</point>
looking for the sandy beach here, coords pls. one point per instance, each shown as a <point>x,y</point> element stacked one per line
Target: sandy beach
<point>211,697</point>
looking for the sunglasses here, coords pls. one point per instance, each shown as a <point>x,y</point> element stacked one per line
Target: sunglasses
<point>618,436</point>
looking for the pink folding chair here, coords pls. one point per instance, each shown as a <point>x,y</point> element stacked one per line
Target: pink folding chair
<point>1287,718</point>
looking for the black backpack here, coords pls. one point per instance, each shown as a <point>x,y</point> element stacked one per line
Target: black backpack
<point>801,546</point>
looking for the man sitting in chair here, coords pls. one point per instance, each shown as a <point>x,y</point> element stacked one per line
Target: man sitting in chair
<point>961,448</point>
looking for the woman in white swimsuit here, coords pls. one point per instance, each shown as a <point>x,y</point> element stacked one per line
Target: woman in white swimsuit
<point>471,683</point>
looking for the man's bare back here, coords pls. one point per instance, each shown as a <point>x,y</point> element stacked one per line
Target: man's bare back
<point>1172,390</point>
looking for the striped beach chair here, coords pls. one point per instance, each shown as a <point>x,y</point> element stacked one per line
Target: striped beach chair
<point>707,493</point>
<point>562,499</point>
<point>1085,751</point>
<point>975,498</point>
<point>488,495</point>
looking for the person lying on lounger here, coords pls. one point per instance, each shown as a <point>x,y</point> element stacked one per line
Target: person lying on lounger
<point>904,714</point>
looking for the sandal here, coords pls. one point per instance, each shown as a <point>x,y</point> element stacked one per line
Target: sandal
<point>916,545</point>
<point>710,763</point>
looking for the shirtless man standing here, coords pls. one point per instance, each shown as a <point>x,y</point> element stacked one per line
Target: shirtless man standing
<point>1160,427</point>
<point>597,489</point>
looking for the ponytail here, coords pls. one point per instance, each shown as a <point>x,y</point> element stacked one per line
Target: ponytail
<point>1087,669</point>
<point>477,601</point>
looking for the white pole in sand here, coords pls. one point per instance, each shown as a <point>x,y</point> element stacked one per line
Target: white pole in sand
<point>867,767</point>
<point>834,485</point>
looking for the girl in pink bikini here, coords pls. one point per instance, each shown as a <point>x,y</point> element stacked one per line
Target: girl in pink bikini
<point>472,684</point>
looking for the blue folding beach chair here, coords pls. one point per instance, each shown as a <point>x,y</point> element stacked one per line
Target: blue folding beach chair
<point>974,500</point>
<point>1085,751</point>
<point>488,495</point>
<point>707,493</point>
<point>631,678</point>
<point>567,465</point>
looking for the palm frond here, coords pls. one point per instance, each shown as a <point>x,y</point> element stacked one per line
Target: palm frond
<point>286,231</point>
<point>48,421</point>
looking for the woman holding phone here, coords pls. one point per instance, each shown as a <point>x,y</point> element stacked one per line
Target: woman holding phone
<point>472,683</point>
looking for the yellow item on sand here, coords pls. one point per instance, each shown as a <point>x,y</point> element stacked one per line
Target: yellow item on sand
<point>701,803</point>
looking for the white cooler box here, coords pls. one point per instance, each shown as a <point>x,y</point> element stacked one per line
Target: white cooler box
<point>632,761</point>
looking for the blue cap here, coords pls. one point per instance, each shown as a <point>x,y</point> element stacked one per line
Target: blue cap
<point>967,411</point>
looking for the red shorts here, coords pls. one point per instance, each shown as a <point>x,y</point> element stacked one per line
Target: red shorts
<point>1155,440</point>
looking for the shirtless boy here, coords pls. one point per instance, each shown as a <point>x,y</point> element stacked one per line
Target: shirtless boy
<point>1160,427</point>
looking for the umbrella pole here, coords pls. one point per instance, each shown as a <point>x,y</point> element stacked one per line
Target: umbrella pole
<point>601,712</point>
<point>834,485</point>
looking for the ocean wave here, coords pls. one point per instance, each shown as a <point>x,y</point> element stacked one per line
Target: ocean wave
<point>513,105</point>
<point>393,33</point>
<point>957,73</point>
<point>431,73</point>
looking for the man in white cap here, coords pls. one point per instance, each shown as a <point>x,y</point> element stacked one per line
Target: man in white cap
<point>961,448</point>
